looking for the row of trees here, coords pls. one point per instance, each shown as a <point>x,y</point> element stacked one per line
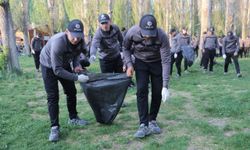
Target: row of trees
<point>197,15</point>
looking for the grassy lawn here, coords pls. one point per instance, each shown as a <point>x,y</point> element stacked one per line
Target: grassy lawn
<point>206,111</point>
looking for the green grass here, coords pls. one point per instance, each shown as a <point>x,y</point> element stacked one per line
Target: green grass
<point>206,111</point>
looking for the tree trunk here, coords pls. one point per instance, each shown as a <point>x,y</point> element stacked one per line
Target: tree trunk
<point>9,40</point>
<point>230,16</point>
<point>205,18</point>
<point>244,19</point>
<point>26,26</point>
<point>248,20</point>
<point>51,8</point>
<point>110,6</point>
<point>140,8</point>
<point>191,18</point>
<point>167,14</point>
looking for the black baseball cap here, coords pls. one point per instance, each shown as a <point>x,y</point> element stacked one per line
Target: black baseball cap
<point>103,18</point>
<point>172,30</point>
<point>148,26</point>
<point>76,28</point>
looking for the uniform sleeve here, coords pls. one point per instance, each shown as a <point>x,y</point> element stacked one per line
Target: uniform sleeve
<point>120,38</point>
<point>57,63</point>
<point>127,44</point>
<point>32,43</point>
<point>224,46</point>
<point>165,59</point>
<point>76,59</point>
<point>96,42</point>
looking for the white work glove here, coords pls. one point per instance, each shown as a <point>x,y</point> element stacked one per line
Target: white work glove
<point>235,53</point>
<point>92,59</point>
<point>165,94</point>
<point>175,55</point>
<point>83,78</point>
<point>32,51</point>
<point>224,56</point>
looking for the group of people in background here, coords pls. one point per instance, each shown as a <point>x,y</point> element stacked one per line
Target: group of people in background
<point>229,47</point>
<point>144,49</point>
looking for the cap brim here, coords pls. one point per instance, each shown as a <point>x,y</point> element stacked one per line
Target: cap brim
<point>77,34</point>
<point>149,33</point>
<point>104,21</point>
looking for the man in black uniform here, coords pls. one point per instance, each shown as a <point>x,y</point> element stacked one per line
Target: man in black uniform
<point>184,39</point>
<point>210,44</point>
<point>108,42</point>
<point>60,53</point>
<point>152,63</point>
<point>176,53</point>
<point>230,49</point>
<point>36,47</point>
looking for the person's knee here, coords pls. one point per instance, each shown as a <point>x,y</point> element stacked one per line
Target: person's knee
<point>53,98</point>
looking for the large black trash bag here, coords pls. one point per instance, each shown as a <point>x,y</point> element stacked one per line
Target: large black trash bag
<point>105,93</point>
<point>189,54</point>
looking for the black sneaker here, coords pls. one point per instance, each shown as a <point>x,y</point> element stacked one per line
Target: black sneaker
<point>54,134</point>
<point>239,75</point>
<point>77,121</point>
<point>142,131</point>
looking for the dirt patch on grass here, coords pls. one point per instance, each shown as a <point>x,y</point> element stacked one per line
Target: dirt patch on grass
<point>200,142</point>
<point>36,116</point>
<point>219,122</point>
<point>189,107</point>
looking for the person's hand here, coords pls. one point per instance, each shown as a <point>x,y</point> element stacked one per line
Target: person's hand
<point>92,59</point>
<point>235,53</point>
<point>124,68</point>
<point>165,94</point>
<point>175,55</point>
<point>203,50</point>
<point>83,78</point>
<point>78,69</point>
<point>224,56</point>
<point>32,51</point>
<point>130,71</point>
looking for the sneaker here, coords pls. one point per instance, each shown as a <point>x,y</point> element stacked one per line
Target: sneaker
<point>77,121</point>
<point>154,128</point>
<point>186,72</point>
<point>142,131</point>
<point>54,134</point>
<point>178,76</point>
<point>204,71</point>
<point>225,73</point>
<point>239,75</point>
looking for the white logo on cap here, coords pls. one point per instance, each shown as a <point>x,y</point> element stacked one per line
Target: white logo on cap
<point>103,17</point>
<point>149,23</point>
<point>77,26</point>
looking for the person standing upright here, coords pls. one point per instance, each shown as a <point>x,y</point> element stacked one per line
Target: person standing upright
<point>210,44</point>
<point>185,40</point>
<point>230,51</point>
<point>150,46</point>
<point>108,42</point>
<point>36,47</point>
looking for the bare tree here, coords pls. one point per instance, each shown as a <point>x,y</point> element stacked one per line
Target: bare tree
<point>110,6</point>
<point>26,25</point>
<point>51,8</point>
<point>9,40</point>
<point>205,18</point>
<point>244,18</point>
<point>230,15</point>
